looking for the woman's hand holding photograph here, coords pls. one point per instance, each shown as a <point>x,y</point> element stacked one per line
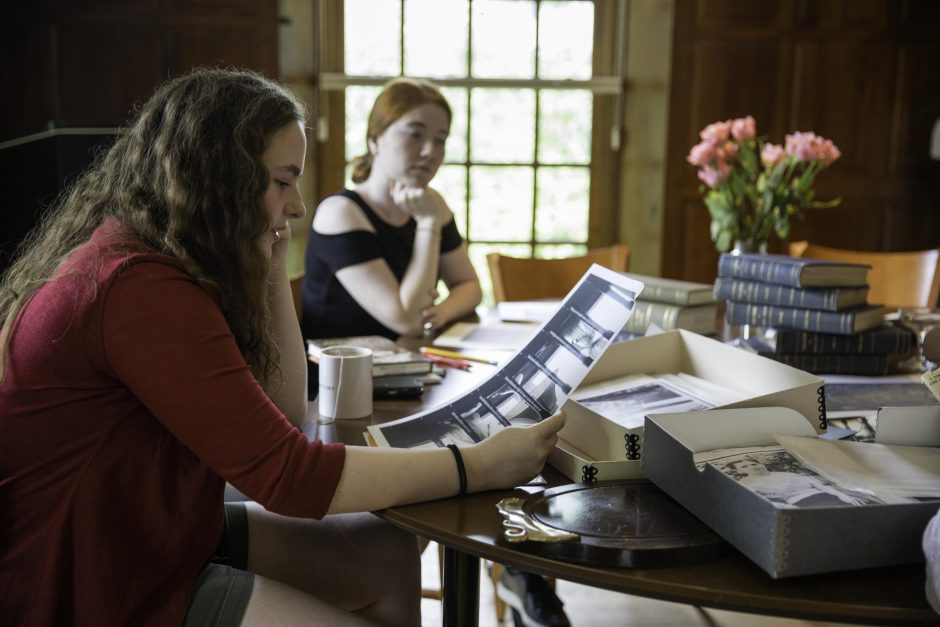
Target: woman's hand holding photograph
<point>511,456</point>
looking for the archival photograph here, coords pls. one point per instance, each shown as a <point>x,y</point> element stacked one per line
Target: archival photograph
<point>780,478</point>
<point>538,379</point>
<point>629,404</point>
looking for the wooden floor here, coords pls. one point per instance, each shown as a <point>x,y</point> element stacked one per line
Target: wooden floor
<point>590,607</point>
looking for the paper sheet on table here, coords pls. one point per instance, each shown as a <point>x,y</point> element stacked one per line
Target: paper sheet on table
<point>887,471</point>
<point>535,382</point>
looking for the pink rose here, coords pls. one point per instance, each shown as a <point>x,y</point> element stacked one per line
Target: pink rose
<point>812,147</point>
<point>713,176</point>
<point>802,146</point>
<point>716,132</point>
<point>743,129</point>
<point>701,154</point>
<point>726,150</point>
<point>829,152</point>
<point>772,154</point>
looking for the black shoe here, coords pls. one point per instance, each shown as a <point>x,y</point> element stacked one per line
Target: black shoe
<point>532,600</point>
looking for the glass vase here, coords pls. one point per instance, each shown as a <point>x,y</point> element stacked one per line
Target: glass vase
<point>749,245</point>
<point>745,334</point>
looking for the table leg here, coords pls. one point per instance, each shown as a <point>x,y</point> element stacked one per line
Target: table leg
<point>461,589</point>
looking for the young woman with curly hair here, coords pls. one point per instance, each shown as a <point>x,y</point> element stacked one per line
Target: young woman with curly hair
<point>149,353</point>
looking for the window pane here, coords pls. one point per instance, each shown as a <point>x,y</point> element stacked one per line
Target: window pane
<point>372,37</point>
<point>501,203</point>
<point>457,140</point>
<point>566,39</point>
<point>565,126</point>
<point>562,213</point>
<point>358,105</point>
<point>503,39</point>
<point>502,128</point>
<point>451,182</point>
<point>436,38</point>
<point>559,251</point>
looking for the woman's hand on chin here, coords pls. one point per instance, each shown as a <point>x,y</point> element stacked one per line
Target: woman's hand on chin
<point>422,203</point>
<point>281,242</point>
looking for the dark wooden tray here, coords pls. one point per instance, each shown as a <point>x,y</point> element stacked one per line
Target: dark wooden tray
<point>622,524</point>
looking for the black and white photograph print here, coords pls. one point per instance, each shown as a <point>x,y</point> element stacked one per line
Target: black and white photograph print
<point>582,338</point>
<point>561,365</point>
<point>476,419</point>
<point>537,380</point>
<point>628,405</point>
<point>782,479</point>
<point>519,407</point>
<point>606,308</point>
<point>438,428</point>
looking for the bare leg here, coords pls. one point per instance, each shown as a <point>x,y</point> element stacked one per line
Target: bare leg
<point>353,562</point>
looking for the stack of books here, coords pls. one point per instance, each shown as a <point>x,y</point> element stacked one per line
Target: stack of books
<point>672,304</point>
<point>667,303</point>
<point>817,313</point>
<point>388,358</point>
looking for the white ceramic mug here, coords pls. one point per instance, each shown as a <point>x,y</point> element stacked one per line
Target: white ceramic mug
<point>345,382</point>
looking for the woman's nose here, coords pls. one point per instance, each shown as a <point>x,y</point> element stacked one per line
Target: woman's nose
<point>428,148</point>
<point>296,207</point>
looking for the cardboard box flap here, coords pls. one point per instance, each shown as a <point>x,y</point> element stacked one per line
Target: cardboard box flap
<point>732,428</point>
<point>683,351</point>
<point>763,381</point>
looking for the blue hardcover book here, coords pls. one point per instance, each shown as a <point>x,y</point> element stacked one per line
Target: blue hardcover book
<point>886,339</point>
<point>792,271</point>
<point>838,322</point>
<point>826,298</point>
<point>866,365</point>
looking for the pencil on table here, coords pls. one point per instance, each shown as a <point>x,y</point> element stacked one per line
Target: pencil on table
<point>427,350</point>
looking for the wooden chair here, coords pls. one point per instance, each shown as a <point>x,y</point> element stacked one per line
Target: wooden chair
<point>295,282</point>
<point>532,279</point>
<point>896,279</point>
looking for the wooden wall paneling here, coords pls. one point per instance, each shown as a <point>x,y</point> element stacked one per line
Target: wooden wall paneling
<point>214,8</point>
<point>732,78</point>
<point>331,105</point>
<point>845,90</point>
<point>222,46</point>
<point>856,223</point>
<point>846,16</point>
<point>679,130</point>
<point>698,257</point>
<point>719,14</point>
<point>863,73</point>
<point>93,88</point>
<point>241,33</point>
<point>917,18</point>
<point>28,102</point>
<point>919,110</point>
<point>603,219</point>
<point>604,222</point>
<point>96,10</point>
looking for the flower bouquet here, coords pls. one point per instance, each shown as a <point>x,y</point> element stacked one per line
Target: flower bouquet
<point>751,186</point>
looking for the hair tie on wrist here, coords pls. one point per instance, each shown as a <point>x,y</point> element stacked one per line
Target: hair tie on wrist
<point>461,470</point>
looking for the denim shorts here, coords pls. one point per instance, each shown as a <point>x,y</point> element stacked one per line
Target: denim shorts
<point>223,587</point>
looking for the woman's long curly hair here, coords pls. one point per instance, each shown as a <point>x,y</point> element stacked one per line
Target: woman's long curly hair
<point>398,97</point>
<point>186,179</point>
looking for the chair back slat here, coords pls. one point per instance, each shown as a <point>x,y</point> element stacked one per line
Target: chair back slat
<point>516,278</point>
<point>896,279</point>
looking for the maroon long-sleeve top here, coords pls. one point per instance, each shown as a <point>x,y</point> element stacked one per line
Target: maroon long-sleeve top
<point>125,407</point>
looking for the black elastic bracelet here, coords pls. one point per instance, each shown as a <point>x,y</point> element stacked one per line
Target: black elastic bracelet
<point>461,470</point>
